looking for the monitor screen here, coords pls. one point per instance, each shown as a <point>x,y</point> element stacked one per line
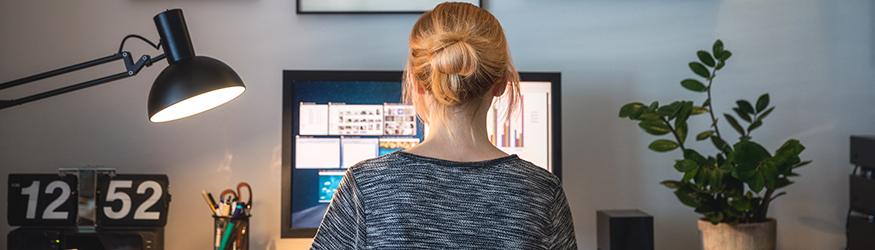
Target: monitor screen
<point>335,119</point>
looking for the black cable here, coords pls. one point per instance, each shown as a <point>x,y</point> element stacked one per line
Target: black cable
<point>122,46</point>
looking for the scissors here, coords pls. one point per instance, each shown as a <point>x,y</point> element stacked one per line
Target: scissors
<point>237,195</point>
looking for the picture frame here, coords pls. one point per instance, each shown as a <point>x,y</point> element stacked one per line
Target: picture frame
<point>370,6</point>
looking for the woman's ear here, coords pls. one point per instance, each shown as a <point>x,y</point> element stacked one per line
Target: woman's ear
<point>499,87</point>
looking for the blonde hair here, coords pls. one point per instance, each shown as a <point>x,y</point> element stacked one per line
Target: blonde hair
<point>458,52</point>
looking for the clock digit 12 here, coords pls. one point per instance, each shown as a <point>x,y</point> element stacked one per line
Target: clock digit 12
<point>42,200</point>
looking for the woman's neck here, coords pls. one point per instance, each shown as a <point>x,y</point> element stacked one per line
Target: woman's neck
<point>461,137</point>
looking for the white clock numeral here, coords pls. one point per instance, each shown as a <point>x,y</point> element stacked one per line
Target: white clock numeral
<point>31,192</point>
<point>141,213</point>
<point>112,195</point>
<point>49,213</point>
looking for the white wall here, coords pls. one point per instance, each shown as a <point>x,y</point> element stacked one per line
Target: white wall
<point>813,56</point>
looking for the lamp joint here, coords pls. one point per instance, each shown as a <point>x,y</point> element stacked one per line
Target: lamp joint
<point>134,67</point>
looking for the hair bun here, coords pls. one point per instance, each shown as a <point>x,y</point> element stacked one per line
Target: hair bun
<point>451,54</point>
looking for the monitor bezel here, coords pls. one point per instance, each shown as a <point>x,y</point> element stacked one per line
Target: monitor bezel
<point>291,76</point>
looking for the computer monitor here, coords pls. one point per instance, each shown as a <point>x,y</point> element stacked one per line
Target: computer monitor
<point>335,119</point>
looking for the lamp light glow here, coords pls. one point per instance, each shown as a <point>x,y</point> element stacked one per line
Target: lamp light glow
<point>197,104</point>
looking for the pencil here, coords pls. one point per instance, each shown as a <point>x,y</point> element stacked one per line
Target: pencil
<point>207,199</point>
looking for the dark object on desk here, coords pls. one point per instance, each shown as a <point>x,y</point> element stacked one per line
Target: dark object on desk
<point>624,230</point>
<point>186,76</point>
<point>861,234</point>
<point>861,215</point>
<point>863,151</point>
<point>151,238</point>
<point>863,192</point>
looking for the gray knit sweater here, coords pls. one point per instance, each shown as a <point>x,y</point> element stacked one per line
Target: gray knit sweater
<point>407,201</point>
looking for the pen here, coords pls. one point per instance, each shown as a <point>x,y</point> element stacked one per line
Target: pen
<point>234,208</point>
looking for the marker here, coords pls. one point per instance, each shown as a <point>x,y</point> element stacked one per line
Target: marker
<point>226,208</point>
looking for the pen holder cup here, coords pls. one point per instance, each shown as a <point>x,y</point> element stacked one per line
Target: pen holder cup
<point>231,233</point>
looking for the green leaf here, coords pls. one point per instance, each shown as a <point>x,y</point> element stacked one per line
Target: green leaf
<point>802,164</point>
<point>716,179</point>
<point>663,145</point>
<point>716,218</point>
<point>705,58</point>
<point>720,144</point>
<point>778,195</point>
<point>690,175</point>
<point>649,117</point>
<point>734,124</point>
<point>720,65</point>
<point>686,199</point>
<point>653,106</point>
<point>762,102</point>
<point>717,49</point>
<point>700,69</point>
<point>684,113</point>
<point>764,114</point>
<point>743,175</point>
<point>741,204</point>
<point>702,178</point>
<point>742,114</point>
<point>725,55</point>
<point>685,165</point>
<point>745,106</point>
<point>694,156</point>
<point>704,135</point>
<point>782,182</point>
<point>770,174</point>
<point>632,110</point>
<point>755,125</point>
<point>681,130</point>
<point>666,110</point>
<point>757,183</point>
<point>748,155</point>
<point>654,127</point>
<point>693,85</point>
<point>672,184</point>
<point>707,103</point>
<point>699,110</point>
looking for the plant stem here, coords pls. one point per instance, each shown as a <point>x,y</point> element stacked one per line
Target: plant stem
<point>760,215</point>
<point>711,104</point>
<point>675,133</point>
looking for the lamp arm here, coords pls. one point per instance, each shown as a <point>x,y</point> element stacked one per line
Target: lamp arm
<point>132,68</point>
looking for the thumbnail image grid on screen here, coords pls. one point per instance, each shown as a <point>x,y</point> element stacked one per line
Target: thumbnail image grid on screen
<point>338,124</point>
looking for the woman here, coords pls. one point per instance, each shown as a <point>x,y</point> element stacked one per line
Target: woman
<point>455,189</point>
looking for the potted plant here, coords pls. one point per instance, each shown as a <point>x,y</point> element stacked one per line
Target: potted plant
<point>733,188</point>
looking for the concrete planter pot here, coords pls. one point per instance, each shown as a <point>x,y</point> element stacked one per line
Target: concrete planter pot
<point>742,236</point>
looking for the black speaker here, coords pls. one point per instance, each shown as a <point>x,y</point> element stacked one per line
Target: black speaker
<point>33,239</point>
<point>861,233</point>
<point>863,151</point>
<point>624,230</point>
<point>71,238</point>
<point>863,192</point>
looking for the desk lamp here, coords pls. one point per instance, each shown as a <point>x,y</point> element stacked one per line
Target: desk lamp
<point>189,85</point>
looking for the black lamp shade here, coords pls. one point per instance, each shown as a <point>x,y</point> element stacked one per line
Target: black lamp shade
<point>190,86</point>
